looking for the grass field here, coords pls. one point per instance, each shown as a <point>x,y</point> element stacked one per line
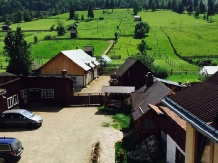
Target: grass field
<point>190,37</point>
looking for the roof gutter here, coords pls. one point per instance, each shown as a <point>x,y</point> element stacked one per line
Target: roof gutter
<point>197,123</point>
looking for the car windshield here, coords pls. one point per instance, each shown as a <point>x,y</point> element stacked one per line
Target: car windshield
<point>16,145</point>
<point>27,114</point>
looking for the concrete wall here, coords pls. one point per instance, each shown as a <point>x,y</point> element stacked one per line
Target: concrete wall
<point>171,150</point>
<point>79,80</point>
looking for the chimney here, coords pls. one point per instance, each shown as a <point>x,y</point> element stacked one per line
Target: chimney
<point>149,79</point>
<point>64,73</point>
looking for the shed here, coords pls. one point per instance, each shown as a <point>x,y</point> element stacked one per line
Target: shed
<point>206,72</point>
<point>104,59</point>
<point>73,33</point>
<point>89,50</point>
<point>137,18</point>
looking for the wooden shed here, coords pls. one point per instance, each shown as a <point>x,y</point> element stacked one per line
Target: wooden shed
<point>6,77</point>
<point>89,50</point>
<point>73,33</point>
<point>132,73</point>
<point>78,64</point>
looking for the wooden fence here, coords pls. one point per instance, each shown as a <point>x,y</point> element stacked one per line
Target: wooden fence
<point>86,99</point>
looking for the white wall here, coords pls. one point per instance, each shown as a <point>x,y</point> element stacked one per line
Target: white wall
<point>95,73</point>
<point>79,80</point>
<point>88,78</point>
<point>171,150</point>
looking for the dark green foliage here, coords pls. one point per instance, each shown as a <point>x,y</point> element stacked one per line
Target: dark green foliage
<point>82,17</point>
<point>142,47</point>
<point>136,7</point>
<point>26,16</point>
<point>146,59</point>
<point>18,16</point>
<point>202,7</point>
<point>90,12</point>
<point>141,29</point>
<point>76,17</point>
<point>197,12</point>
<point>160,72</point>
<point>180,8</point>
<point>101,18</point>
<point>52,28</point>
<point>72,12</point>
<point>47,37</point>
<point>153,5</point>
<point>211,10</point>
<point>35,39</point>
<point>17,51</point>
<point>112,5</point>
<point>190,9</point>
<point>116,34</point>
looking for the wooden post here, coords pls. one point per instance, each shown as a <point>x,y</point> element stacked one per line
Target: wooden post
<point>105,100</point>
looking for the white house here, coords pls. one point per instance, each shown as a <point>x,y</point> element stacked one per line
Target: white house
<point>206,72</point>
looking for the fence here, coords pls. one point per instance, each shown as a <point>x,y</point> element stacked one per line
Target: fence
<point>86,99</point>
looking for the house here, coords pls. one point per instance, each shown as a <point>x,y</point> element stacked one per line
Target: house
<point>89,50</point>
<point>73,33</point>
<point>206,72</point>
<point>197,105</point>
<point>6,77</point>
<point>79,66</point>
<point>25,90</point>
<point>137,18</point>
<point>132,73</point>
<point>104,60</point>
<point>150,118</point>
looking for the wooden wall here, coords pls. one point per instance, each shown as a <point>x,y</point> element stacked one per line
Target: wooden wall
<point>60,62</point>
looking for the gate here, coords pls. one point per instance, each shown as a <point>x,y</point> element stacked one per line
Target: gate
<point>86,99</point>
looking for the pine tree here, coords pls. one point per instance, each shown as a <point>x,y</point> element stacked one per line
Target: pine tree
<point>202,7</point>
<point>17,51</point>
<point>211,10</point>
<point>72,12</point>
<point>112,5</point>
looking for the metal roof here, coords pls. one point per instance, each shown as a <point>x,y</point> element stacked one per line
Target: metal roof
<point>152,95</point>
<point>7,74</point>
<point>78,56</point>
<point>126,65</point>
<point>210,70</point>
<point>170,82</point>
<point>106,58</point>
<point>117,89</point>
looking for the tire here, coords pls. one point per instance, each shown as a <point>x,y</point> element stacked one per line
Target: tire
<point>29,125</point>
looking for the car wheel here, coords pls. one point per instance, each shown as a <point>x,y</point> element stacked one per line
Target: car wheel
<point>29,125</point>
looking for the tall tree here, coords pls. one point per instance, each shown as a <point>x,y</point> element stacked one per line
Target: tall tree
<point>112,5</point>
<point>195,4</point>
<point>190,9</point>
<point>18,17</point>
<point>169,5</point>
<point>180,8</point>
<point>17,51</point>
<point>90,12</point>
<point>141,29</point>
<point>72,12</point>
<point>153,5</point>
<point>174,5</point>
<point>142,47</point>
<point>202,7</point>
<point>211,10</point>
<point>107,4</point>
<point>197,11</point>
<point>150,4</point>
<point>26,16</point>
<point>136,7</point>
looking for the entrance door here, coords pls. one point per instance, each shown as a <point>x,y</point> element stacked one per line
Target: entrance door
<point>35,95</point>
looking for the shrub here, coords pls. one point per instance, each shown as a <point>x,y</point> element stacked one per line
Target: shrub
<point>47,37</point>
<point>52,27</point>
<point>161,72</point>
<point>101,18</point>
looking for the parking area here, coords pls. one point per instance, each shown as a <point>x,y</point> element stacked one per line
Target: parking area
<point>66,135</point>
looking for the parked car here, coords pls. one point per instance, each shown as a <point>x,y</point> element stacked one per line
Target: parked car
<point>19,118</point>
<point>10,148</point>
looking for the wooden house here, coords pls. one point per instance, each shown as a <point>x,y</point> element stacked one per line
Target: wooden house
<point>197,105</point>
<point>132,73</point>
<point>79,66</point>
<point>89,50</point>
<point>150,118</point>
<point>73,33</point>
<point>6,77</point>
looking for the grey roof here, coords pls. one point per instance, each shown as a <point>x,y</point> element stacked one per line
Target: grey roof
<point>106,58</point>
<point>6,74</point>
<point>126,65</point>
<point>170,82</point>
<point>117,89</point>
<point>152,95</point>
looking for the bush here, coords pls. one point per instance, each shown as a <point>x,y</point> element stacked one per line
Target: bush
<point>161,72</point>
<point>47,37</point>
<point>52,27</point>
<point>101,18</point>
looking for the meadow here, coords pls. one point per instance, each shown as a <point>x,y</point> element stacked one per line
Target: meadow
<point>190,37</point>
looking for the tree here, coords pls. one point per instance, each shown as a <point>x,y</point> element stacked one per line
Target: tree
<point>146,59</point>
<point>153,5</point>
<point>90,12</point>
<point>35,39</point>
<point>112,5</point>
<point>202,7</point>
<point>190,9</point>
<point>174,5</point>
<point>160,72</point>
<point>142,47</point>
<point>169,5</point>
<point>150,4</point>
<point>82,17</point>
<point>107,4</point>
<point>17,50</point>
<point>195,4</point>
<point>18,17</point>
<point>76,17</point>
<point>180,8</point>
<point>72,12</point>
<point>136,7</point>
<point>26,16</point>
<point>197,11</point>
<point>60,28</point>
<point>211,10</point>
<point>141,29</point>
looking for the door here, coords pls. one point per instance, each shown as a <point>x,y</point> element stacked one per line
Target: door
<point>35,95</point>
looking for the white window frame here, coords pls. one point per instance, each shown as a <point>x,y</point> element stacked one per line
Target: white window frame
<point>47,93</point>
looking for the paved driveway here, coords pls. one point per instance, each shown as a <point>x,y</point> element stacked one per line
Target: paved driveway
<point>66,136</point>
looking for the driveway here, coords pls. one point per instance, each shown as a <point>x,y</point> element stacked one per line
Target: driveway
<point>66,136</point>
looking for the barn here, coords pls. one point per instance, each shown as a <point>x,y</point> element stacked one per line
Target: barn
<point>79,66</point>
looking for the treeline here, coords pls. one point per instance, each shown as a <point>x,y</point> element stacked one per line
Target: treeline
<point>14,11</point>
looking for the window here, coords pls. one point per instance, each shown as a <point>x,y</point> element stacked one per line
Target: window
<point>4,147</point>
<point>48,93</point>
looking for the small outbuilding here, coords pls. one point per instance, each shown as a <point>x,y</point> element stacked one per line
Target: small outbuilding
<point>89,50</point>
<point>73,33</point>
<point>104,60</point>
<point>137,18</point>
<point>206,72</point>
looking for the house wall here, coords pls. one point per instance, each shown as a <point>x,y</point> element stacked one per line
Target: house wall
<point>60,62</point>
<point>79,81</point>
<point>134,76</point>
<point>190,143</point>
<point>215,153</point>
<point>95,73</point>
<point>171,150</point>
<point>4,79</point>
